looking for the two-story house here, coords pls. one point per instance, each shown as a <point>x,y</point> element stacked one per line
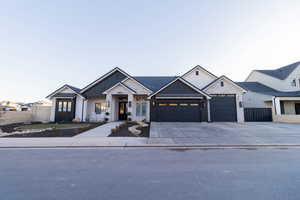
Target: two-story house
<point>277,89</point>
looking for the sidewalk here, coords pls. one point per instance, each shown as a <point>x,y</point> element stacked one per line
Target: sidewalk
<point>100,131</point>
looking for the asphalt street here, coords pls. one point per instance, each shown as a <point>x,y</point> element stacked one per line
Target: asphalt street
<point>176,174</point>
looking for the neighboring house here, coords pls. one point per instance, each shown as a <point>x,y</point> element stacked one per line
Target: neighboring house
<point>277,89</point>
<point>196,96</point>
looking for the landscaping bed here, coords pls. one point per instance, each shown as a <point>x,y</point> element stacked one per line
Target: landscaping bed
<point>123,131</point>
<point>46,130</point>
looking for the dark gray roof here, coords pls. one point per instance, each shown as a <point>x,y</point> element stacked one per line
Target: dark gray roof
<point>154,83</point>
<point>263,89</point>
<point>64,95</point>
<point>281,73</point>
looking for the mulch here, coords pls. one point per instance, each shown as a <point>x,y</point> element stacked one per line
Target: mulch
<point>124,132</point>
<point>48,133</point>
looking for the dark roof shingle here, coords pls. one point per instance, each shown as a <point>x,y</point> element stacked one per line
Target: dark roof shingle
<point>281,73</point>
<point>263,89</point>
<point>154,83</point>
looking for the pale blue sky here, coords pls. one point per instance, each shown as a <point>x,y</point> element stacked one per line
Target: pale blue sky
<point>44,44</point>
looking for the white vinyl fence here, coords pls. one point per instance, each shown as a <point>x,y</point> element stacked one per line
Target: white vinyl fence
<point>36,114</point>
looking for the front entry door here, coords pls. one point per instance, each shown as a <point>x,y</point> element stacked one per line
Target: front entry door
<point>123,111</point>
<point>297,108</point>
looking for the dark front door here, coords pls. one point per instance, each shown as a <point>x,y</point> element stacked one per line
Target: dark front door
<point>123,111</point>
<point>65,110</point>
<point>297,108</point>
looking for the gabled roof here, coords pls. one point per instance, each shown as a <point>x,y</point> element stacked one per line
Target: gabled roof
<point>281,73</point>
<point>154,82</point>
<point>120,84</point>
<point>202,68</point>
<point>58,94</point>
<point>109,73</point>
<point>263,89</point>
<point>183,81</point>
<point>228,79</point>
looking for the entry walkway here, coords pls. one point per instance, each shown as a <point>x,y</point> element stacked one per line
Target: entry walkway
<point>100,131</point>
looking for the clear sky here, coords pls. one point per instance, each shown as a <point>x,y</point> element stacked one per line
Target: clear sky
<point>45,44</point>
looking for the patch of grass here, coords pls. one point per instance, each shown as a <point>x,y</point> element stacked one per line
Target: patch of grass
<point>53,126</point>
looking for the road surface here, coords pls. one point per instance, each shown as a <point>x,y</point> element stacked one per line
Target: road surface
<point>148,174</point>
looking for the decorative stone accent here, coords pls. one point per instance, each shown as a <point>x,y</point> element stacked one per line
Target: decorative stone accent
<point>133,130</point>
<point>142,124</point>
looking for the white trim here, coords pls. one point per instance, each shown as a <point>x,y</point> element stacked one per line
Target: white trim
<point>288,98</point>
<point>136,82</point>
<point>62,88</point>
<point>202,69</point>
<point>119,84</point>
<point>179,97</point>
<point>185,82</point>
<point>226,79</point>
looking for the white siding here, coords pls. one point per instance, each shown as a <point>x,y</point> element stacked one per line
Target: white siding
<point>200,80</point>
<point>256,100</point>
<point>229,88</point>
<point>136,87</point>
<point>91,114</point>
<point>79,108</point>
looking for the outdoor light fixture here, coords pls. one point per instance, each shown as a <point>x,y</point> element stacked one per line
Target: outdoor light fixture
<point>129,104</point>
<point>241,104</point>
<point>108,104</point>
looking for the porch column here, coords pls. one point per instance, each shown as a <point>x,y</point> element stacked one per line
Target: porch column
<point>277,107</point>
<point>109,105</point>
<point>84,110</point>
<point>130,106</point>
<point>208,110</point>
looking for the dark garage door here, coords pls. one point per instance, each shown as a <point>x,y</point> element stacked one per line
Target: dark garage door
<point>223,109</point>
<point>178,111</point>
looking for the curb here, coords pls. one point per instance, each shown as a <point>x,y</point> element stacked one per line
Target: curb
<point>171,147</point>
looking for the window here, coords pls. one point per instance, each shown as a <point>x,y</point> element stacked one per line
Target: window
<point>173,104</point>
<point>194,104</point>
<point>222,84</point>
<point>294,83</point>
<point>100,108</point>
<point>65,104</point>
<point>59,106</point>
<point>141,109</point>
<point>197,73</point>
<point>162,104</point>
<point>183,104</point>
<point>69,106</point>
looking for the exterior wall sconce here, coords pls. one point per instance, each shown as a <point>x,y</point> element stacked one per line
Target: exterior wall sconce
<point>129,104</point>
<point>153,103</point>
<point>241,104</point>
<point>108,104</point>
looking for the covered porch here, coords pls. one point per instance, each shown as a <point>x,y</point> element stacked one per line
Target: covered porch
<point>286,109</point>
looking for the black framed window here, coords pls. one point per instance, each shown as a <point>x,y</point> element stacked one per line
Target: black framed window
<point>100,108</point>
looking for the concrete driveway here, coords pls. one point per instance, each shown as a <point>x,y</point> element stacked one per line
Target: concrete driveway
<point>250,133</point>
